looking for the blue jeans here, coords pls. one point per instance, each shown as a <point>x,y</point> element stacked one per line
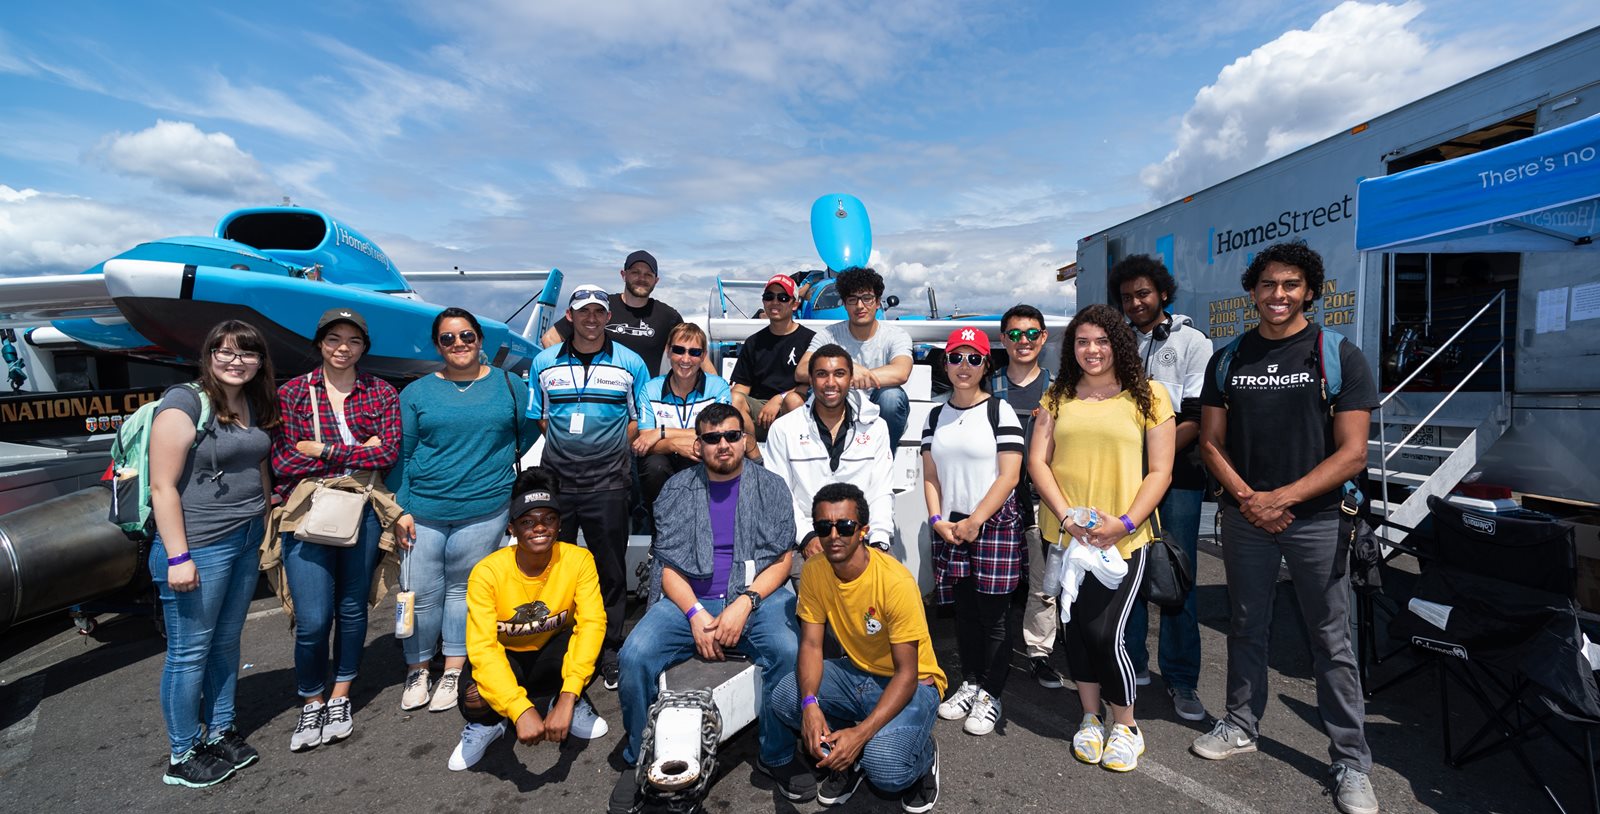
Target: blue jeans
<point>1179,655</point>
<point>203,628</point>
<point>324,580</point>
<point>436,568</point>
<point>895,408</point>
<point>901,752</point>
<point>662,638</point>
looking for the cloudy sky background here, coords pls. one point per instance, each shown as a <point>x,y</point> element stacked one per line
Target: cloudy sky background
<point>984,139</point>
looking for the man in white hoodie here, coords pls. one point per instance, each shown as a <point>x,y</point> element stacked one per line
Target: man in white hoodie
<point>838,437</point>
<point>1175,354</point>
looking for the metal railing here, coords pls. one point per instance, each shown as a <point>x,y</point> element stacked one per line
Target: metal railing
<point>1386,453</point>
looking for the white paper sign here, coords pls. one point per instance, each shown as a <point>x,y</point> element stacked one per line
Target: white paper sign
<point>1585,301</point>
<point>1552,312</point>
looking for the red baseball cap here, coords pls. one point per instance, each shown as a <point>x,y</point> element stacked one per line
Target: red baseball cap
<point>782,281</point>
<point>971,337</point>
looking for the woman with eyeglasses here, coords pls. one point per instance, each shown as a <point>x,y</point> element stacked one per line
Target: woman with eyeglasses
<point>337,421</point>
<point>1089,450</point>
<point>676,397</point>
<point>464,430</point>
<point>209,488</point>
<point>971,457</point>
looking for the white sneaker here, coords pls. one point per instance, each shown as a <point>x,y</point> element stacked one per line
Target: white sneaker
<point>1089,744</point>
<point>308,730</point>
<point>984,715</point>
<point>960,702</point>
<point>1123,749</point>
<point>339,723</point>
<point>416,691</point>
<point>475,740</point>
<point>586,723</point>
<point>444,693</point>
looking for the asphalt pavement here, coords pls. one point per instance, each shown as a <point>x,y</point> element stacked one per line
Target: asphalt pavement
<point>81,729</point>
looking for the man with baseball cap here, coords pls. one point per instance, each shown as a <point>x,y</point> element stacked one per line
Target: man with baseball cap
<point>588,395</point>
<point>637,320</point>
<point>765,370</point>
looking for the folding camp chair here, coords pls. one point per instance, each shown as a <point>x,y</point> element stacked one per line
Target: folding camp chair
<point>1494,610</point>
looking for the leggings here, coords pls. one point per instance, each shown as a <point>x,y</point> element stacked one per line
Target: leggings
<point>984,636</point>
<point>1094,638</point>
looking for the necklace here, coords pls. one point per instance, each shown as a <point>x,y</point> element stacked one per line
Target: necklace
<point>459,388</point>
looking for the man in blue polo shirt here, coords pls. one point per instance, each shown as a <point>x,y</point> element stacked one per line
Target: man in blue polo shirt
<point>588,394</point>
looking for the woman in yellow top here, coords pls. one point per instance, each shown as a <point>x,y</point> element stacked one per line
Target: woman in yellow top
<point>535,621</point>
<point>1100,416</point>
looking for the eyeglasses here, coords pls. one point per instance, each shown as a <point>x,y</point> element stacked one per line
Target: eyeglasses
<point>228,356</point>
<point>861,299</point>
<point>972,359</point>
<point>1016,334</point>
<point>691,352</point>
<point>447,339</point>
<point>823,528</point>
<point>769,297</point>
<point>711,439</point>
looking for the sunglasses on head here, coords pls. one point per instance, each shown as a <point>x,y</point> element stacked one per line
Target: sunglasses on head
<point>823,528</point>
<point>1016,334</point>
<point>971,359</point>
<point>447,338</point>
<point>769,297</point>
<point>713,438</point>
<point>681,350</point>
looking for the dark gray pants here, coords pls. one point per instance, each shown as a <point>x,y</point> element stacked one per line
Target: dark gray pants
<point>1251,558</point>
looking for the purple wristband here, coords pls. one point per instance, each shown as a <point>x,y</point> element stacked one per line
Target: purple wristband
<point>1128,524</point>
<point>808,701</point>
<point>178,560</point>
<point>689,614</point>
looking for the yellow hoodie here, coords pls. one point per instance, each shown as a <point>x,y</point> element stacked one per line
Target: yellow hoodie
<point>502,615</point>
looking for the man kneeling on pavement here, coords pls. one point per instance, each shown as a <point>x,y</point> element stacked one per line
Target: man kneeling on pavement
<point>725,536</point>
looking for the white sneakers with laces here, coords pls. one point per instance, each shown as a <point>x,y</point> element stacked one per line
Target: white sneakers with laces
<point>960,702</point>
<point>444,693</point>
<point>415,694</point>
<point>983,716</point>
<point>338,723</point>
<point>308,729</point>
<point>1089,744</point>
<point>475,740</point>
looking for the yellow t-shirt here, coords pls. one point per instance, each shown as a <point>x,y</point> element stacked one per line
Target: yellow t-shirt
<point>1099,457</point>
<point>879,608</point>
<point>504,613</point>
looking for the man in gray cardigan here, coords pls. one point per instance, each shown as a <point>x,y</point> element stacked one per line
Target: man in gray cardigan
<point>725,535</point>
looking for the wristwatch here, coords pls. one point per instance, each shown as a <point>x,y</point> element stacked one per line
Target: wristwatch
<point>755,599</point>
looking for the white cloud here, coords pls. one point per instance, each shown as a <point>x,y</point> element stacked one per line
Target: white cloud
<point>42,233</point>
<point>1357,61</point>
<point>177,155</point>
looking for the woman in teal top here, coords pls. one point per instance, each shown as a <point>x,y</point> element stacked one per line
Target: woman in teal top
<point>463,432</point>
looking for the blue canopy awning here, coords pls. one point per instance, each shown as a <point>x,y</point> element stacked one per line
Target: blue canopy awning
<point>1541,193</point>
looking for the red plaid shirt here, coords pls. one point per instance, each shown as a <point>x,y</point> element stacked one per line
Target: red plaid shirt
<point>372,408</point>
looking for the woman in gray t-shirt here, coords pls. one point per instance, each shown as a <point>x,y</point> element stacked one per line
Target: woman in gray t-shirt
<point>209,500</point>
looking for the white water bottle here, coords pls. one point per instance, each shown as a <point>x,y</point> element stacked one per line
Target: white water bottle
<point>405,602</point>
<point>1085,516</point>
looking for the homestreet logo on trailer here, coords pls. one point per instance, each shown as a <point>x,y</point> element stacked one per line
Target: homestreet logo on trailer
<point>1289,222</point>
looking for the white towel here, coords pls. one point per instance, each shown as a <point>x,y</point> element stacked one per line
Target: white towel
<point>1106,564</point>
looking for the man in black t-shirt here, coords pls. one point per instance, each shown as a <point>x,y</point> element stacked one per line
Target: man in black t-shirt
<point>1282,446</point>
<point>766,364</point>
<point>638,321</point>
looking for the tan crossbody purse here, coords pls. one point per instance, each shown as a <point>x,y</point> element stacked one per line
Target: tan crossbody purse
<point>335,514</point>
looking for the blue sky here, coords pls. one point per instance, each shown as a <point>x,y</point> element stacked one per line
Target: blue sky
<point>985,139</point>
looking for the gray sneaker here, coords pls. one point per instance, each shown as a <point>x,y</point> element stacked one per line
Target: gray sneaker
<point>1224,740</point>
<point>1352,791</point>
<point>1187,704</point>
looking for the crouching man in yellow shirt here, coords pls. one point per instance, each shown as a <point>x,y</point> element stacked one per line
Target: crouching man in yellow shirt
<point>535,621</point>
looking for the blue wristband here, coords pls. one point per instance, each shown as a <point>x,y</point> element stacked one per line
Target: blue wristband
<point>1128,524</point>
<point>689,614</point>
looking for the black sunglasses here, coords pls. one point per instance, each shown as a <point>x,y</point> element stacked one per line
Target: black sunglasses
<point>712,438</point>
<point>694,352</point>
<point>447,339</point>
<point>769,297</point>
<point>847,528</point>
<point>972,359</point>
<point>1016,334</point>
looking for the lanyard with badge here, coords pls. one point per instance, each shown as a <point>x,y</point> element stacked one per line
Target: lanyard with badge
<point>575,420</point>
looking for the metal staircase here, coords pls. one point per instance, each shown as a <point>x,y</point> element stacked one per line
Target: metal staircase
<point>1433,454</point>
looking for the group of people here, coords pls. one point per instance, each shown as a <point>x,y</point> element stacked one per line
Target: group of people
<point>744,480</point>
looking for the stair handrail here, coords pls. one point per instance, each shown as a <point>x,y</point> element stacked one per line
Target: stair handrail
<point>1386,453</point>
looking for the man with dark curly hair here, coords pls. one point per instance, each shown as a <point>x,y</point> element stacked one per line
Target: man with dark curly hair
<point>881,352</point>
<point>1174,353</point>
<point>1282,444</point>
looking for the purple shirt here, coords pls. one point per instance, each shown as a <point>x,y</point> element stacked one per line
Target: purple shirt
<point>724,500</point>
